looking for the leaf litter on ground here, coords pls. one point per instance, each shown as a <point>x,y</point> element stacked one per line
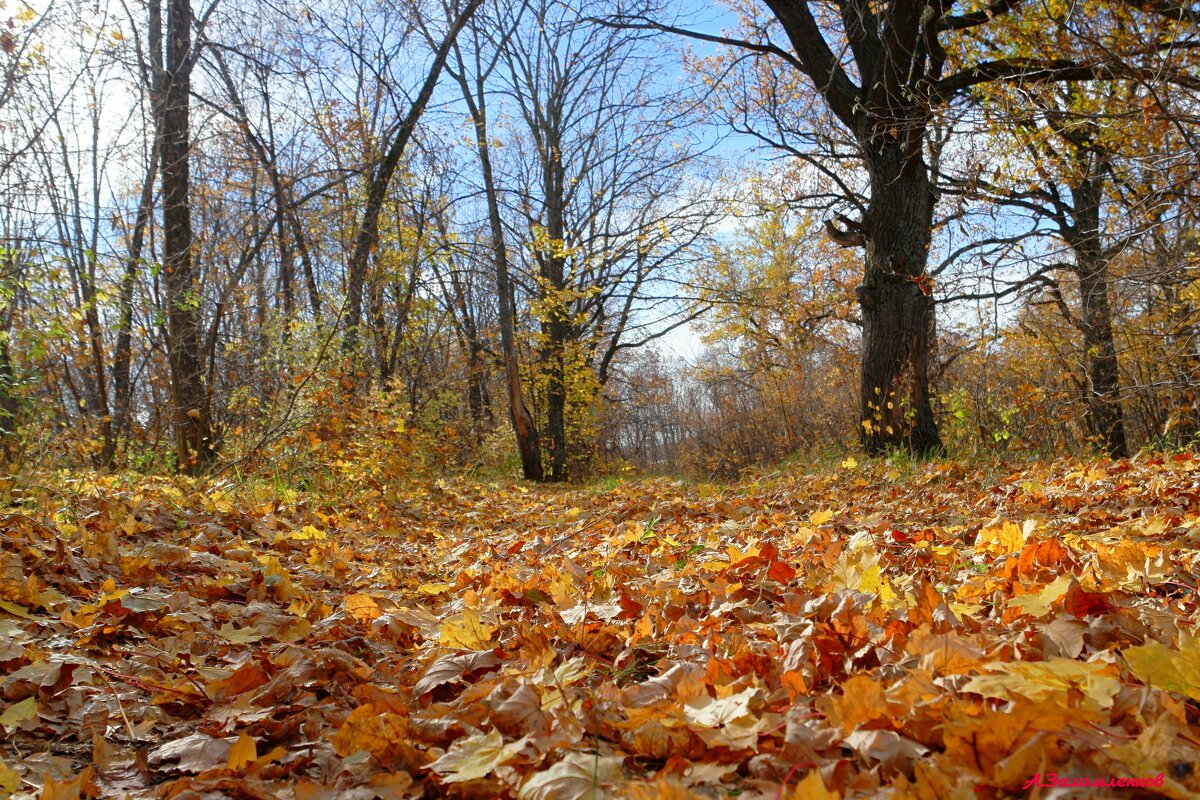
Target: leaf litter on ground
<point>943,632</point>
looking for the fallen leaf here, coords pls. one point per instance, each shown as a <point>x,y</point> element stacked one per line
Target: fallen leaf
<point>20,712</point>
<point>242,754</point>
<point>577,776</point>
<point>1164,667</point>
<point>812,787</point>
<point>476,756</point>
<point>466,631</point>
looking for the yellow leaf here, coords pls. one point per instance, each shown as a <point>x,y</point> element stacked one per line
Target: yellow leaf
<point>20,712</point>
<point>10,781</point>
<point>577,776</point>
<point>434,588</point>
<point>944,653</point>
<point>813,788</point>
<point>862,701</point>
<point>308,533</point>
<point>68,789</point>
<point>872,582</point>
<point>466,631</point>
<point>16,610</point>
<point>1001,538</point>
<point>1164,667</point>
<point>380,733</point>
<point>849,463</point>
<point>1038,604</point>
<point>1053,680</point>
<point>476,756</point>
<point>362,607</point>
<point>820,517</point>
<point>243,753</point>
<point>239,636</point>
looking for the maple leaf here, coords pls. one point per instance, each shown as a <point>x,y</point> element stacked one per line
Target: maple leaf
<point>1038,604</point>
<point>812,787</point>
<point>243,753</point>
<point>1053,680</point>
<point>577,776</point>
<point>930,782</point>
<point>362,607</point>
<point>1002,537</point>
<point>724,721</point>
<point>466,631</point>
<point>1175,670</point>
<point>71,789</point>
<point>453,666</point>
<point>18,713</point>
<point>862,702</point>
<point>372,729</point>
<point>476,756</point>
<point>664,788</point>
<point>195,752</point>
<point>10,780</point>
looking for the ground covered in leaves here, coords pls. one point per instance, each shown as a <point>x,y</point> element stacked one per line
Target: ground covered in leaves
<point>927,632</point>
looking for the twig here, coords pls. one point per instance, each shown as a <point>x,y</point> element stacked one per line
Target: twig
<point>120,707</point>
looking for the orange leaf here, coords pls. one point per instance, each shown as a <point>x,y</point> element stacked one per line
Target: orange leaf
<point>243,753</point>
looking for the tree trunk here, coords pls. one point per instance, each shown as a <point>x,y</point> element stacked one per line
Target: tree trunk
<point>897,309</point>
<point>524,427</point>
<point>194,443</point>
<point>479,401</point>
<point>522,421</point>
<point>1105,416</point>
<point>1104,382</point>
<point>555,322</point>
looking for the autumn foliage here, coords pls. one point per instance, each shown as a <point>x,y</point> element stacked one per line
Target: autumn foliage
<point>942,630</point>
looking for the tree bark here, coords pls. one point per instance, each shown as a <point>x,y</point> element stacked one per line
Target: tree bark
<point>555,323</point>
<point>123,354</point>
<point>1103,385</point>
<point>10,402</point>
<point>194,441</point>
<point>897,309</point>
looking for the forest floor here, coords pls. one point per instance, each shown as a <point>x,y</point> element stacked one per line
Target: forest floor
<point>939,631</point>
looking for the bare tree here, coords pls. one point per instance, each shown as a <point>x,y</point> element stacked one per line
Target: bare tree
<point>367,235</point>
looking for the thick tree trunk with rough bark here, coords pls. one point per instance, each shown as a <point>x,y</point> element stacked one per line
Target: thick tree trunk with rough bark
<point>1103,384</point>
<point>1104,381</point>
<point>195,446</point>
<point>897,309</point>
